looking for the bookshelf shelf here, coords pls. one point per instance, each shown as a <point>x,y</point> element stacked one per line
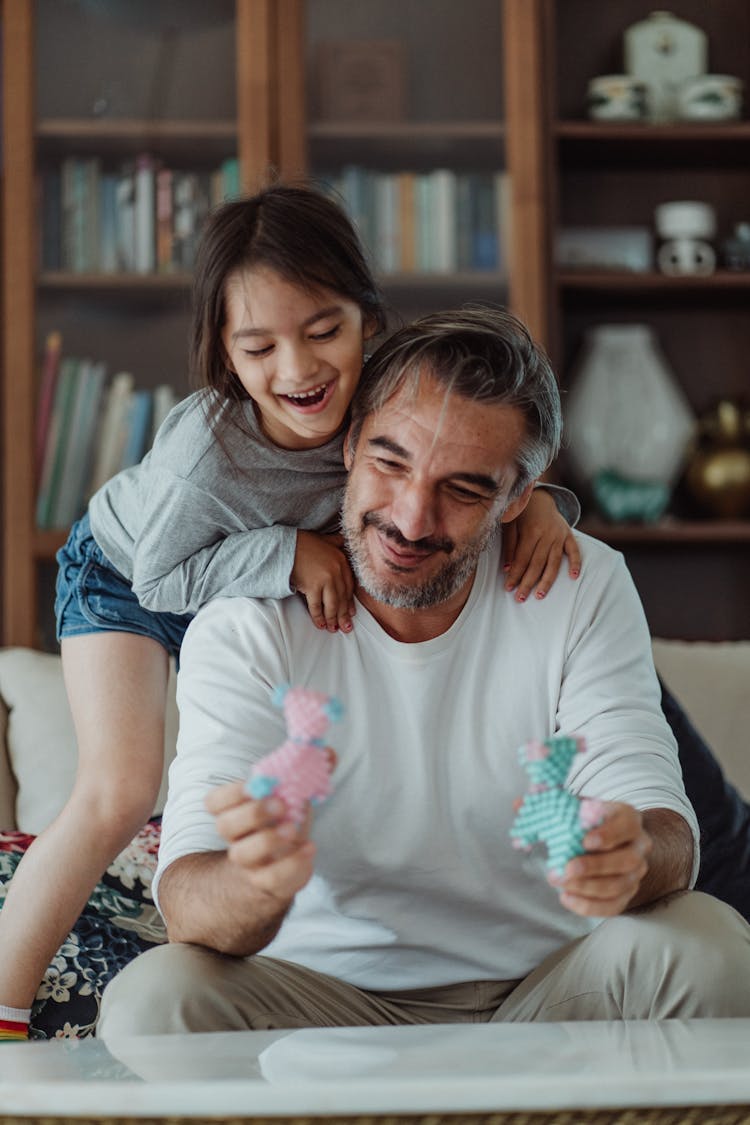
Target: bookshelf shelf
<point>490,280</point>
<point>116,282</point>
<point>625,144</point>
<point>398,144</point>
<point>647,283</point>
<point>669,532</point>
<point>347,131</point>
<point>118,137</point>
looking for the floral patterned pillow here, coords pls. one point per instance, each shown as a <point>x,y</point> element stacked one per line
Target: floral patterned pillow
<point>118,922</point>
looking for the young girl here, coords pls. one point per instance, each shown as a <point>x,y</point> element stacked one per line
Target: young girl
<point>239,497</point>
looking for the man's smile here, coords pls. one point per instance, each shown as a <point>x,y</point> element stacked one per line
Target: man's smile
<point>398,552</point>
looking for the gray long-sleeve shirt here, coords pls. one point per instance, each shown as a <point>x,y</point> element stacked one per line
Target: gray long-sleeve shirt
<point>201,518</point>
<point>195,520</point>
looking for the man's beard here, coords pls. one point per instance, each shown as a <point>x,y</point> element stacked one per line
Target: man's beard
<point>448,580</point>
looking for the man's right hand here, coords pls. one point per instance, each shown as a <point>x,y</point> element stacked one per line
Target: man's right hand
<point>276,857</point>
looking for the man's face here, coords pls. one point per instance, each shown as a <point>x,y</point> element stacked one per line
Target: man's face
<point>428,484</point>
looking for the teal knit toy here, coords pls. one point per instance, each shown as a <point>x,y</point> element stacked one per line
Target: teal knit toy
<point>550,813</point>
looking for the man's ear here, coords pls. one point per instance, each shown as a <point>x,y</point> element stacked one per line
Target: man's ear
<point>348,451</point>
<point>516,506</point>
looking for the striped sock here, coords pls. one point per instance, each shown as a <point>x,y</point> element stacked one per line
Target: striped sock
<point>14,1023</point>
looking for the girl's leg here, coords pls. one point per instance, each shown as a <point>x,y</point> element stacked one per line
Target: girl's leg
<point>116,684</point>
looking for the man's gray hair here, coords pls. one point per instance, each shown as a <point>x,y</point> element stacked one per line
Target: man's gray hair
<point>479,352</point>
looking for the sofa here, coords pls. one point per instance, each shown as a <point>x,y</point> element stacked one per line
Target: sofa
<point>711,681</point>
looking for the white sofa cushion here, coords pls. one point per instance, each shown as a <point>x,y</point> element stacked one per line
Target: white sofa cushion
<point>711,681</point>
<point>41,741</point>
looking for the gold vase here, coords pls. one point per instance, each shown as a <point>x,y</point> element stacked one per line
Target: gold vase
<point>718,475</point>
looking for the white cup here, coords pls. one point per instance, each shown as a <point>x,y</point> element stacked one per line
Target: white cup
<point>617,97</point>
<point>710,97</point>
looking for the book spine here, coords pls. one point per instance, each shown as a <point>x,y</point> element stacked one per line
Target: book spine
<point>137,427</point>
<point>144,221</point>
<point>69,500</point>
<point>110,438</point>
<point>443,200</point>
<point>164,221</point>
<point>56,441</point>
<point>126,220</point>
<point>407,222</point>
<point>47,383</point>
<point>108,223</point>
<point>387,252</point>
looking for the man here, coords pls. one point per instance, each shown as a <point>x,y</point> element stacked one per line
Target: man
<point>402,900</point>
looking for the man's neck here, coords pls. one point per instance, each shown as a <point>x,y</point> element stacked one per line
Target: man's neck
<point>410,626</point>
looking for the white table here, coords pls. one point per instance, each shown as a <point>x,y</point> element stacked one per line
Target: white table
<point>497,1069</point>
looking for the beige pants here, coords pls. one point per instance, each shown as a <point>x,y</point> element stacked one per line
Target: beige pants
<point>686,957</point>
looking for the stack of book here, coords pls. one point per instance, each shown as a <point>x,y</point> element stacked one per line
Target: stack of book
<point>88,429</point>
<point>440,221</point>
<point>142,217</point>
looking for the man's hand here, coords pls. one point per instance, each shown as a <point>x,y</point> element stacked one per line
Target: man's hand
<point>606,880</point>
<point>275,856</point>
<point>322,573</point>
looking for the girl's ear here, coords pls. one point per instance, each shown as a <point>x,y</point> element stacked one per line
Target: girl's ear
<point>369,328</point>
<point>227,361</point>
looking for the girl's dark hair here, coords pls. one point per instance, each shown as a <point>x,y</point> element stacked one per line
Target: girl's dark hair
<point>297,231</point>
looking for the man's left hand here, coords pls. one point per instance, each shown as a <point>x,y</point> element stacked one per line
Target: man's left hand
<point>604,881</point>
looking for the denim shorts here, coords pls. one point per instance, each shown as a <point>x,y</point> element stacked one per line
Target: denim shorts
<point>92,597</point>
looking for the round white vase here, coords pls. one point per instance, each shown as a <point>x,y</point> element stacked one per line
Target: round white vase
<point>626,413</point>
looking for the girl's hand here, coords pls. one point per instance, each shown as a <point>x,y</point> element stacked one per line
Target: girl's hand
<point>322,573</point>
<point>533,547</point>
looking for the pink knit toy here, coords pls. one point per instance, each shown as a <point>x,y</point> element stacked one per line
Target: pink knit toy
<point>298,771</point>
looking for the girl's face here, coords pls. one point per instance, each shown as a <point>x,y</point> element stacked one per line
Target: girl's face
<point>298,354</point>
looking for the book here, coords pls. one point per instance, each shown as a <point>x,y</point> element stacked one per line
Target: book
<point>442,191</point>
<point>164,221</point>
<point>56,440</point>
<point>407,222</point>
<point>125,193</point>
<point>484,225</point>
<point>464,222</point>
<point>137,428</point>
<point>144,214</point>
<point>88,202</point>
<point>110,438</point>
<point>387,230</point>
<point>423,203</point>
<point>230,172</point>
<point>185,219</point>
<point>68,173</point>
<point>502,220</point>
<point>108,256</point>
<point>164,398</point>
<point>70,499</point>
<point>47,383</point>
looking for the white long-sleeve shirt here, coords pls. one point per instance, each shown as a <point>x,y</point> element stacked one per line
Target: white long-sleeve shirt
<point>416,883</point>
